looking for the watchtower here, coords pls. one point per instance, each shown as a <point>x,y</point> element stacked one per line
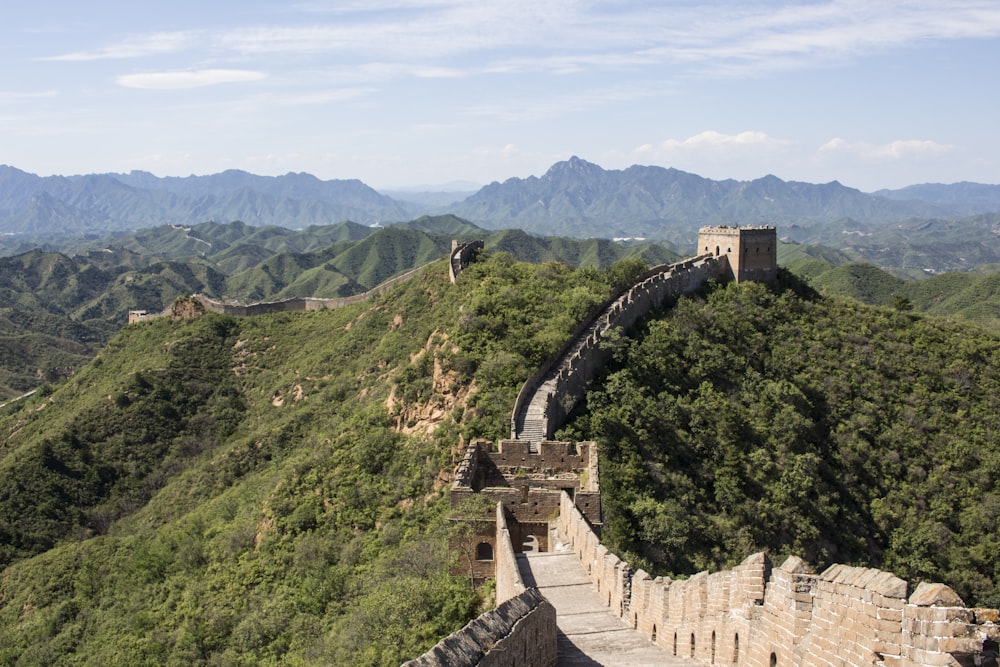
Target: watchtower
<point>752,251</point>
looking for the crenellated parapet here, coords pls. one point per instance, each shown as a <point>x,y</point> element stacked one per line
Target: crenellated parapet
<point>520,632</point>
<point>548,396</point>
<point>763,616</point>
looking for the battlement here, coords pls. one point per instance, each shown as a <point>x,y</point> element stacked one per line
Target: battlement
<point>527,483</point>
<point>752,252</point>
<point>756,614</point>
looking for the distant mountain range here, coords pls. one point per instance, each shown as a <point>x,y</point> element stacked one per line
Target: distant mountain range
<point>573,198</point>
<point>50,205</point>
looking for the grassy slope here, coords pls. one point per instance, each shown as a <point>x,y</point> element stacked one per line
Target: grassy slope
<point>266,490</point>
<point>88,295</point>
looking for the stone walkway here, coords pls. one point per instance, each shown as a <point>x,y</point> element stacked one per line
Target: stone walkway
<point>589,634</point>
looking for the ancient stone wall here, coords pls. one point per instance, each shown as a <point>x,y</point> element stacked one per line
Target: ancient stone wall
<point>299,304</point>
<point>520,632</point>
<point>761,616</point>
<point>548,457</point>
<point>508,576</point>
<point>292,305</point>
<point>552,391</point>
<point>462,254</point>
<point>752,251</point>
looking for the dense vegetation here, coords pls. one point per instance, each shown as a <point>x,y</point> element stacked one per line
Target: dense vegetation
<point>775,419</point>
<point>974,297</point>
<point>268,490</point>
<point>56,308</point>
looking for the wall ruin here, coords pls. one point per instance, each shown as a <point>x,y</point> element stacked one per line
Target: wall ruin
<point>527,485</point>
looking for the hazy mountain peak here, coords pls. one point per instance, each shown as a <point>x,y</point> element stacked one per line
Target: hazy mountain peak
<point>574,165</point>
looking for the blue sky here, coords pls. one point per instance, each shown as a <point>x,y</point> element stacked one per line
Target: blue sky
<point>425,92</point>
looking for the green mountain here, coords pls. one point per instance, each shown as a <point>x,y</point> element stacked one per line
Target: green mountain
<point>580,199</point>
<point>91,291</point>
<point>970,297</point>
<point>273,490</point>
<point>758,419</point>
<point>963,198</point>
<point>573,198</point>
<point>56,205</point>
<point>268,490</point>
<point>913,248</point>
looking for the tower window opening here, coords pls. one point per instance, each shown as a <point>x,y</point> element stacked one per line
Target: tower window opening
<point>484,551</point>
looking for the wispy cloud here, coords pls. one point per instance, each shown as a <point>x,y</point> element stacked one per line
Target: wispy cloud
<point>135,47</point>
<point>711,144</point>
<point>887,152</point>
<point>572,36</point>
<point>741,39</point>
<point>13,96</point>
<point>324,97</point>
<point>188,78</point>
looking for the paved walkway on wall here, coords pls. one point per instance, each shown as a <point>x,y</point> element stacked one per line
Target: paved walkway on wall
<point>589,634</point>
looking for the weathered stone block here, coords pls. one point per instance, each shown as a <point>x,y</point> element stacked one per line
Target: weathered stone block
<point>936,595</point>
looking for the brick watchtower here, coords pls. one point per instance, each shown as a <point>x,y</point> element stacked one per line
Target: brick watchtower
<point>752,251</point>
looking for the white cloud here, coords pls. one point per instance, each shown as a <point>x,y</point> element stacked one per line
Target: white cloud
<point>11,96</point>
<point>887,152</point>
<point>711,144</point>
<point>188,78</point>
<point>438,73</point>
<point>573,36</point>
<point>136,47</point>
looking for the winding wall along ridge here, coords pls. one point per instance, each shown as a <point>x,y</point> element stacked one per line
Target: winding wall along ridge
<point>551,392</point>
<point>754,614</point>
<point>460,257</point>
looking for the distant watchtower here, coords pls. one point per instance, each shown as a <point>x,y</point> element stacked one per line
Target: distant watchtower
<point>752,251</point>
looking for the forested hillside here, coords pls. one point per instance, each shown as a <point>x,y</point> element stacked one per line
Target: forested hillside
<point>272,490</point>
<point>820,427</point>
<point>269,490</point>
<point>57,308</point>
<point>972,297</point>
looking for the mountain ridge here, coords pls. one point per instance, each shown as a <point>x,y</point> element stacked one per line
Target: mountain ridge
<point>573,197</point>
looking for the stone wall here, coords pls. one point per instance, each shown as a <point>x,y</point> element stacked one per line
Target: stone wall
<point>292,305</point>
<point>508,576</point>
<point>761,616</point>
<point>752,251</point>
<point>462,254</point>
<point>529,483</point>
<point>552,391</point>
<point>520,632</point>
<point>299,304</point>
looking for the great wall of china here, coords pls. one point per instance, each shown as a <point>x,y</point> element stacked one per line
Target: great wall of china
<point>461,255</point>
<point>755,614</point>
